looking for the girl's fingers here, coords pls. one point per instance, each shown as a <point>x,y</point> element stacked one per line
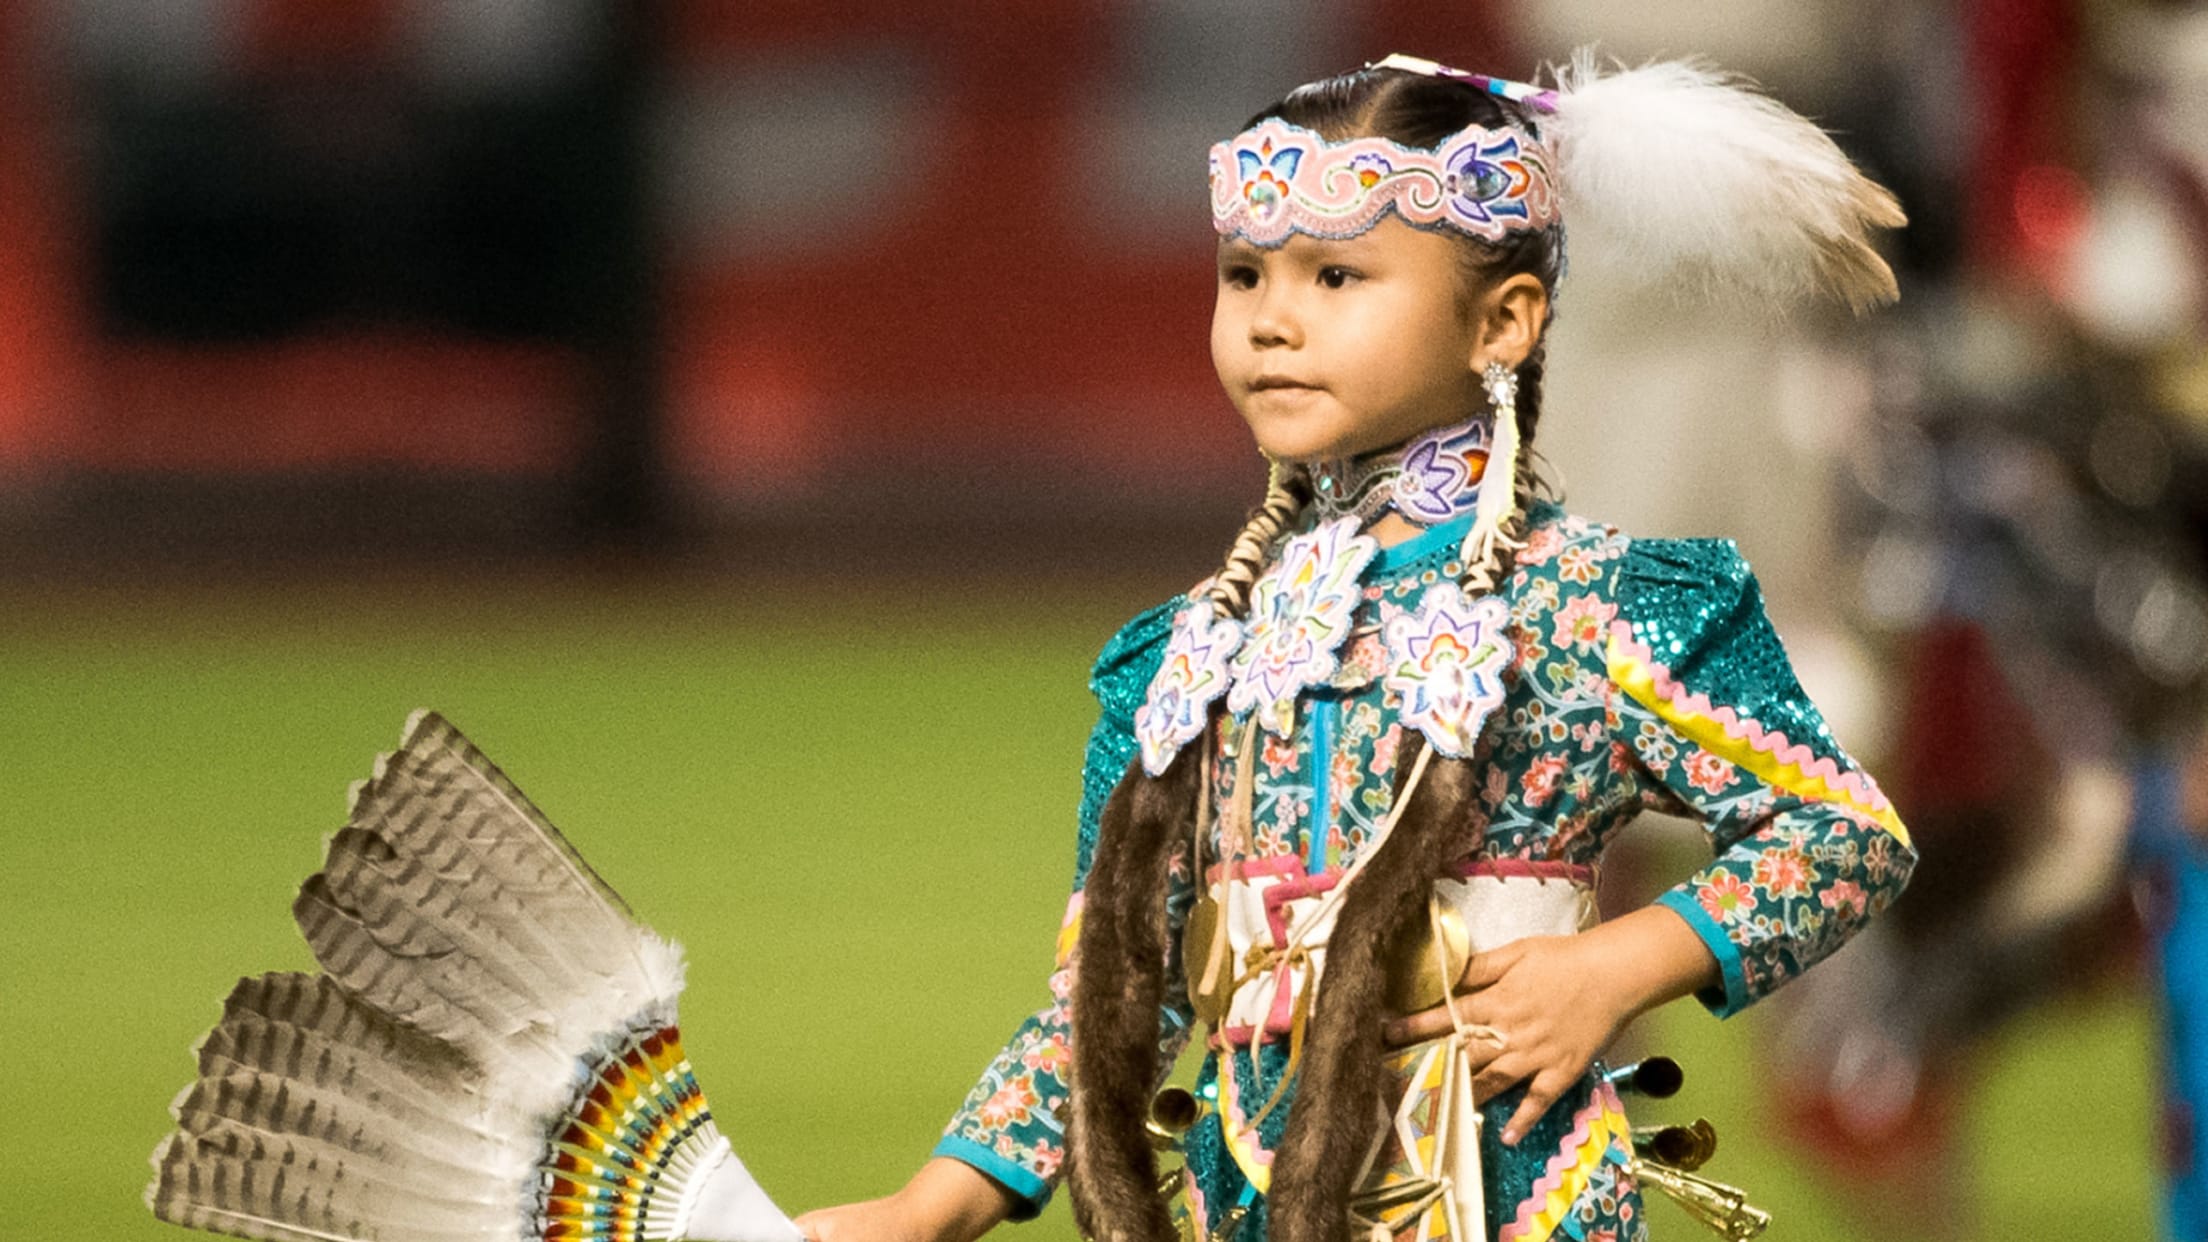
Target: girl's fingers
<point>1410,1029</point>
<point>1545,1089</point>
<point>1479,1054</point>
<point>1499,1075</point>
<point>1435,1023</point>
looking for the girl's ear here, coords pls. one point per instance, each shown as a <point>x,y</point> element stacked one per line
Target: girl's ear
<point>1511,312</point>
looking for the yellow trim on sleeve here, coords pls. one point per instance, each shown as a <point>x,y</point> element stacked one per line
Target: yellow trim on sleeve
<point>1637,677</point>
<point>1069,934</point>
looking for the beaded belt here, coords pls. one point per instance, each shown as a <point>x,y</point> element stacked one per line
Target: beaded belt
<point>1277,924</point>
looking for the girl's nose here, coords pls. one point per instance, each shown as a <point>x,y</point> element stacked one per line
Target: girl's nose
<point>1275,322</point>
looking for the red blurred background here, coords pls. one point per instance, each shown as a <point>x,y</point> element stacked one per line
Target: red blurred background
<point>570,271</point>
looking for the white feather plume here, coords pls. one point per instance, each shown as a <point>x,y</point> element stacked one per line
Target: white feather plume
<point>1673,173</point>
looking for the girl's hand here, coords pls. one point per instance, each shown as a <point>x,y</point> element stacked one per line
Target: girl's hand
<point>946,1201</point>
<point>1557,1001</point>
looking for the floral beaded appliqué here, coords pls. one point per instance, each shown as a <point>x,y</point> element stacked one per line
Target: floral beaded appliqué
<point>1446,660</point>
<point>1192,676</point>
<point>1440,471</point>
<point>1300,611</point>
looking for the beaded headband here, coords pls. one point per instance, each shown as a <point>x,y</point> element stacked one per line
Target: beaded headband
<point>1682,177</point>
<point>1275,179</point>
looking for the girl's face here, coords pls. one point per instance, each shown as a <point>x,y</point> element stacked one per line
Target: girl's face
<point>1335,348</point>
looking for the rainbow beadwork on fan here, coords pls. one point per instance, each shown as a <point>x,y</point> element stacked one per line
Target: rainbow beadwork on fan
<point>1432,1126</point>
<point>1275,180</point>
<point>635,1136</point>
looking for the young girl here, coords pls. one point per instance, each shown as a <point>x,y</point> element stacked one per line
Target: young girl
<point>1346,799</point>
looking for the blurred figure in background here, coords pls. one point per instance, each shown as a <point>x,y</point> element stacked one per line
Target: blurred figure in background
<point>2032,502</point>
<point>2171,857</point>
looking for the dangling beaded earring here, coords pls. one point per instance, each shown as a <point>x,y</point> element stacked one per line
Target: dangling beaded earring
<point>1499,483</point>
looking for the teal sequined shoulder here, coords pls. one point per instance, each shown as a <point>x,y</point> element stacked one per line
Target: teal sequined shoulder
<point>1119,680</point>
<point>1130,658</point>
<point>1695,603</point>
<point>1679,591</point>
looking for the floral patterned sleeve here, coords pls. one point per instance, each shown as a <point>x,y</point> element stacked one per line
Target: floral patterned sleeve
<point>1807,847</point>
<point>1012,1125</point>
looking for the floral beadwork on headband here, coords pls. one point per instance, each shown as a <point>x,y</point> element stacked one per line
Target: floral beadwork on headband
<point>1276,179</point>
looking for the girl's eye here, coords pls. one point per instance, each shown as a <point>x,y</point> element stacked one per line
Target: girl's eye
<point>1238,277</point>
<point>1336,277</point>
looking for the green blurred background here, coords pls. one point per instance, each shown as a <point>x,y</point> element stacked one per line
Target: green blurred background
<point>854,807</point>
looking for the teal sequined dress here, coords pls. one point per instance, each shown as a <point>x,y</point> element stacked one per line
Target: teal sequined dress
<point>1646,677</point>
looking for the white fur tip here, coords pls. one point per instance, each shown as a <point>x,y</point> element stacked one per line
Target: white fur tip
<point>1679,175</point>
<point>664,965</point>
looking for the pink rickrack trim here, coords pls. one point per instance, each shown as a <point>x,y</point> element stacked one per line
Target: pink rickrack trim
<point>1276,179</point>
<point>1583,1148</point>
<point>1463,869</point>
<point>1855,785</point>
<point>1526,868</point>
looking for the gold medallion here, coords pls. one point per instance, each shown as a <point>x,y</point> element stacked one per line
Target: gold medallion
<point>1418,977</point>
<point>1204,958</point>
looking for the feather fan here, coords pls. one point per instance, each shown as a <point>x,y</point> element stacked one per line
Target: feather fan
<point>1676,174</point>
<point>490,1051</point>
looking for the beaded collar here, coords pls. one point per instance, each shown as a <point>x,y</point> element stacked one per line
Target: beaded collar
<point>1431,479</point>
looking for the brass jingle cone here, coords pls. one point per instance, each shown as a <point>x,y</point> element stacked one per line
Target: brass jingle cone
<point>1725,1209</point>
<point>1174,1111</point>
<point>1682,1147</point>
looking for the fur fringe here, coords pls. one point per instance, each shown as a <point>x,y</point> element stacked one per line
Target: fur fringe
<point>1677,174</point>
<point>1338,1091</point>
<point>1118,987</point>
